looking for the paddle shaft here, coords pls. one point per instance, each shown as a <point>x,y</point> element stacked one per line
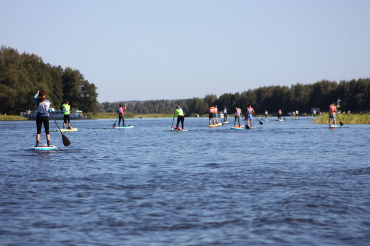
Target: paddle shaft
<point>258,120</point>
<point>56,123</point>
<point>65,140</point>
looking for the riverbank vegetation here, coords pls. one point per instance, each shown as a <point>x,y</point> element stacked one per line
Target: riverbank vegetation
<point>11,117</point>
<point>344,118</point>
<point>354,96</point>
<point>22,75</point>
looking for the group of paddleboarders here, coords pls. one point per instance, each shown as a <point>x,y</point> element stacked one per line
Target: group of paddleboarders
<point>213,115</point>
<point>42,116</point>
<point>248,116</point>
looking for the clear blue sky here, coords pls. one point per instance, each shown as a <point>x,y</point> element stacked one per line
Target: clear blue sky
<point>141,50</point>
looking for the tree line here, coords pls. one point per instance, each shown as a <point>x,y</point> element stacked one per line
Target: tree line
<point>354,96</point>
<point>22,75</point>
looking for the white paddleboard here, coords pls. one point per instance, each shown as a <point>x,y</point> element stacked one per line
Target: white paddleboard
<point>44,147</point>
<point>279,120</point>
<point>333,126</point>
<point>68,130</point>
<point>123,127</point>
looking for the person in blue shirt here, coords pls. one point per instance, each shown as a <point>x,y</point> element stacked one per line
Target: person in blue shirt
<point>42,116</point>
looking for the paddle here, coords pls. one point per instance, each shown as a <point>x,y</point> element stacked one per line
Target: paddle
<point>173,119</point>
<point>246,125</point>
<point>340,122</point>
<point>66,141</point>
<point>114,125</point>
<point>258,120</point>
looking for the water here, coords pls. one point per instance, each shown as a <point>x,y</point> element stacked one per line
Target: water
<point>283,183</point>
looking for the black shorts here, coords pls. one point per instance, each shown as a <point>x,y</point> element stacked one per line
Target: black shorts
<point>211,115</point>
<point>39,121</point>
<point>67,117</point>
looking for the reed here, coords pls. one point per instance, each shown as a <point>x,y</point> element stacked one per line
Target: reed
<point>344,118</point>
<point>11,117</point>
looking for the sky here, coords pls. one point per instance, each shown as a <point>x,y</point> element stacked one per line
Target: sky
<point>145,50</point>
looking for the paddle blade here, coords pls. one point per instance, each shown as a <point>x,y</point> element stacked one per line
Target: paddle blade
<point>66,141</point>
<point>261,123</point>
<point>246,127</point>
<point>341,124</point>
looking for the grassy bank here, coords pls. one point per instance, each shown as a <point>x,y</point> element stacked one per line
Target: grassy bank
<point>11,117</point>
<point>345,118</point>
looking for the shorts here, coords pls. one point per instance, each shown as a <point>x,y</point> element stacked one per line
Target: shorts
<point>67,117</point>
<point>332,116</point>
<point>248,117</point>
<point>211,115</point>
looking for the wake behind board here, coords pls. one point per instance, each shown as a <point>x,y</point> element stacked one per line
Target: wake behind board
<point>68,130</point>
<point>44,147</point>
<point>124,127</point>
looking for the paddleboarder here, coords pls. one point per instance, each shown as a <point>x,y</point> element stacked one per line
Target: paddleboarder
<point>238,113</point>
<point>211,115</point>
<point>225,114</point>
<point>332,111</point>
<point>121,115</point>
<point>67,116</point>
<point>216,114</point>
<point>180,117</point>
<point>279,114</point>
<point>266,113</point>
<point>248,115</point>
<point>314,114</point>
<point>296,113</point>
<point>42,116</point>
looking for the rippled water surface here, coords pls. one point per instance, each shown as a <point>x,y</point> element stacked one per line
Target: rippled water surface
<point>283,183</point>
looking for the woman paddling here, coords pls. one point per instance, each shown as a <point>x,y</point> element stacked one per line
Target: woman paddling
<point>42,116</point>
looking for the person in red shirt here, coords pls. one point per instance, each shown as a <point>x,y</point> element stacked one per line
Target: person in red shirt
<point>121,115</point>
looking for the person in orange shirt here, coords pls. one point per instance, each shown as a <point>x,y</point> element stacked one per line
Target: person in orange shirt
<point>211,115</point>
<point>332,111</point>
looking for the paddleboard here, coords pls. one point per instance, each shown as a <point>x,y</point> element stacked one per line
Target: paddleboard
<point>212,125</point>
<point>179,130</point>
<point>237,127</point>
<point>124,127</point>
<point>333,126</point>
<point>44,147</point>
<point>266,119</point>
<point>68,130</point>
<point>226,122</point>
<point>219,124</point>
<point>279,120</point>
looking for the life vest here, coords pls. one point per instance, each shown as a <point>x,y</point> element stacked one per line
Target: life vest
<point>279,111</point>
<point>211,110</point>
<point>238,112</point>
<point>249,110</point>
<point>332,109</point>
<point>225,111</point>
<point>120,111</point>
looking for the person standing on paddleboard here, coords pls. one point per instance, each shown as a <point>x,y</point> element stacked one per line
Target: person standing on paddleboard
<point>180,118</point>
<point>332,111</point>
<point>279,114</point>
<point>67,116</point>
<point>211,115</point>
<point>248,115</point>
<point>121,115</point>
<point>314,114</point>
<point>216,114</point>
<point>42,116</point>
<point>238,113</point>
<point>225,114</point>
<point>296,113</point>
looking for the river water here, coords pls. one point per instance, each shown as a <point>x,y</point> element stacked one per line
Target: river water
<point>283,183</point>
